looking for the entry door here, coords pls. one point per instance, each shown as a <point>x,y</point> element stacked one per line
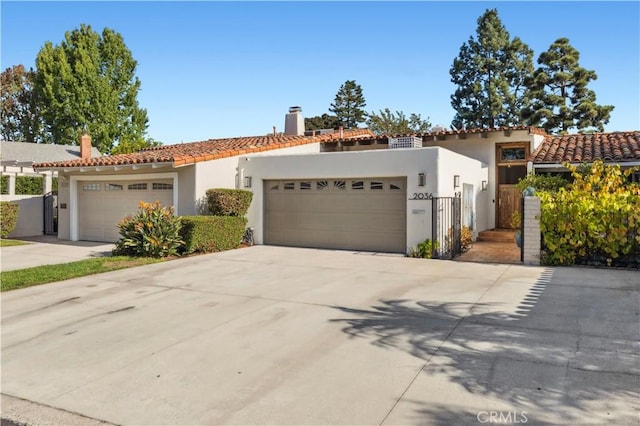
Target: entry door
<point>509,199</point>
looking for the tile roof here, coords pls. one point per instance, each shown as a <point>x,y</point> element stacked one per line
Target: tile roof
<point>579,148</point>
<point>212,149</point>
<point>531,130</point>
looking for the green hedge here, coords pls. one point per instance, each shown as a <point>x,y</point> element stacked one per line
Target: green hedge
<point>228,202</point>
<point>8,217</point>
<point>25,185</point>
<point>206,234</point>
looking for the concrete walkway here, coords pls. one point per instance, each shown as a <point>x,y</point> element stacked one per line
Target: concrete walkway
<point>274,335</point>
<point>48,250</point>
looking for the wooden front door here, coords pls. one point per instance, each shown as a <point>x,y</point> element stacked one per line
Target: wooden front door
<point>509,199</point>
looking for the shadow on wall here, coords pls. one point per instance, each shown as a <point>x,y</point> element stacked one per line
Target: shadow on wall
<point>567,355</point>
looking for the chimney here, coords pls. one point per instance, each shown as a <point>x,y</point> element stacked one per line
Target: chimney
<point>294,122</point>
<point>274,131</point>
<point>85,146</point>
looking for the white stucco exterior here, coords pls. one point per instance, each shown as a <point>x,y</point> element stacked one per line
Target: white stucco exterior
<point>406,163</point>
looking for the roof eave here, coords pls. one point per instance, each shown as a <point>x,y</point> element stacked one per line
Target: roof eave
<point>109,167</point>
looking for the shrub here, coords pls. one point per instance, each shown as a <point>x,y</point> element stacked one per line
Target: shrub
<point>516,220</point>
<point>4,184</point>
<point>596,220</point>
<point>8,217</point>
<point>228,202</point>
<point>29,185</point>
<point>424,249</point>
<point>153,231</point>
<point>543,182</point>
<point>206,234</point>
<point>467,238</point>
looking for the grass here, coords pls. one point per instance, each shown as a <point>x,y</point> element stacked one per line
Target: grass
<point>9,243</point>
<point>21,278</point>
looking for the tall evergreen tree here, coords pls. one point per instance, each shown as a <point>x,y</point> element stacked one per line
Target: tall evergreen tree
<point>490,72</point>
<point>348,105</point>
<point>88,83</point>
<point>324,121</point>
<point>561,100</point>
<point>20,119</point>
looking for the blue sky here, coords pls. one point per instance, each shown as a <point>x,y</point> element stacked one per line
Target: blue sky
<point>223,69</point>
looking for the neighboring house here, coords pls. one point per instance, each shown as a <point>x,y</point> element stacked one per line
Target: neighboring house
<point>345,189</point>
<point>17,159</point>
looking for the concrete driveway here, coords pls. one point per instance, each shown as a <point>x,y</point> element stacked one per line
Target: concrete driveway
<point>49,250</point>
<point>273,335</point>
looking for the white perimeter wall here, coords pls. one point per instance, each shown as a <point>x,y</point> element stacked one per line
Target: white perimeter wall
<point>361,164</point>
<point>30,215</point>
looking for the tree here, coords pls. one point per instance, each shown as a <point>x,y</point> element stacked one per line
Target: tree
<point>490,72</point>
<point>324,121</point>
<point>20,120</point>
<point>396,123</point>
<point>128,146</point>
<point>88,83</point>
<point>348,105</point>
<point>561,100</point>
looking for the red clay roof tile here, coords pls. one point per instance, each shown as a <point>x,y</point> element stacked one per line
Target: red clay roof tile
<point>188,153</point>
<point>610,147</point>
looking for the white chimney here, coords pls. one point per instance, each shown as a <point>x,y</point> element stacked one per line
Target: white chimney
<point>294,122</point>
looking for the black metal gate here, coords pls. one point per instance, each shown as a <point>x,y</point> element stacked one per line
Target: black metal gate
<point>51,213</point>
<point>446,227</point>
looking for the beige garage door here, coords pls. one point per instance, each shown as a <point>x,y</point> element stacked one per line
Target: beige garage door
<point>353,214</point>
<point>101,205</point>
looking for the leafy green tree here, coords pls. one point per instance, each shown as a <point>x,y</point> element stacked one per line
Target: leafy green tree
<point>324,121</point>
<point>20,120</point>
<point>128,146</point>
<point>561,100</point>
<point>348,105</point>
<point>396,123</point>
<point>490,74</point>
<point>88,83</point>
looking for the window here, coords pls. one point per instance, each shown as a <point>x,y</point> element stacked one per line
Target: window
<point>357,184</point>
<point>137,187</point>
<point>512,154</point>
<point>376,185</point>
<point>321,184</point>
<point>288,186</point>
<point>305,186</point>
<point>274,187</point>
<point>113,187</point>
<point>91,187</point>
<point>339,184</point>
<point>162,186</point>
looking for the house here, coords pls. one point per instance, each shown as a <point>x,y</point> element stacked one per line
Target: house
<point>17,159</point>
<point>344,189</point>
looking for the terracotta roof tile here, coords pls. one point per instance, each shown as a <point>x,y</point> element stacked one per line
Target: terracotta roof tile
<point>610,147</point>
<point>189,153</point>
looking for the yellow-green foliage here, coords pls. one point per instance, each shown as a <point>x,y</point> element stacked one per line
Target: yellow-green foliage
<point>152,232</point>
<point>595,220</point>
<point>8,217</point>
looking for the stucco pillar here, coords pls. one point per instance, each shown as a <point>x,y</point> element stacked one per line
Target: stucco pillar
<point>48,183</point>
<point>11,184</point>
<point>531,231</point>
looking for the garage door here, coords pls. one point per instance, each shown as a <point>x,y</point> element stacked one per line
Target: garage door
<point>101,205</point>
<point>353,214</point>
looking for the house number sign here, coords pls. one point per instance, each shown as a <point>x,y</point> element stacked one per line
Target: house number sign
<point>421,196</point>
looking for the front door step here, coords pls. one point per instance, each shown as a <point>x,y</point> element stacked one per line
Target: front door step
<point>498,236</point>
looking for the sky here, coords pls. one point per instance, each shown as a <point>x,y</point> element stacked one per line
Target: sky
<point>225,69</point>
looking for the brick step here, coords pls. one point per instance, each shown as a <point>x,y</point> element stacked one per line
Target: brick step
<point>503,236</point>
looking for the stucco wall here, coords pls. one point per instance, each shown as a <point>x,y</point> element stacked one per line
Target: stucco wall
<point>223,173</point>
<point>379,163</point>
<point>30,215</point>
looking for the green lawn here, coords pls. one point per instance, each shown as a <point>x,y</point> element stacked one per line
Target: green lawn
<point>9,243</point>
<point>12,280</point>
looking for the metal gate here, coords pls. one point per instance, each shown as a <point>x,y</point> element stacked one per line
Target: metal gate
<point>51,213</point>
<point>446,227</point>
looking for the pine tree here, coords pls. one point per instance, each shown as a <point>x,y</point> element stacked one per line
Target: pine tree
<point>561,100</point>
<point>348,105</point>
<point>490,72</point>
<point>88,83</point>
